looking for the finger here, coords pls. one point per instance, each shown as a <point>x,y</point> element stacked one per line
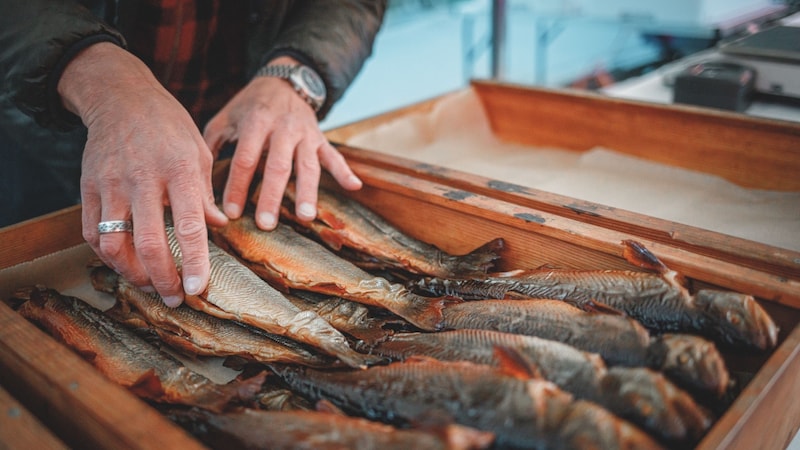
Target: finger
<point>215,134</point>
<point>243,165</point>
<point>150,242</point>
<point>190,232</point>
<point>277,170</point>
<point>335,163</point>
<point>308,171</point>
<point>212,214</point>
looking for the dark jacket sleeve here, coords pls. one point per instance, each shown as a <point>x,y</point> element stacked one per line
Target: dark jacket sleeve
<point>37,40</point>
<point>335,37</point>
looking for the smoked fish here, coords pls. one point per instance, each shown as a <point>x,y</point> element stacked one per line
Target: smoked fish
<point>318,430</point>
<point>659,300</point>
<point>126,359</point>
<point>287,259</point>
<point>343,222</point>
<point>196,333</point>
<point>522,412</point>
<point>236,293</point>
<point>643,396</point>
<point>619,340</point>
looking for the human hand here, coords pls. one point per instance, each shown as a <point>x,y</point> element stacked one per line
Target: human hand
<point>143,153</point>
<point>269,114</point>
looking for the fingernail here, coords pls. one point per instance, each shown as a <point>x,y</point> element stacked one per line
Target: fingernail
<point>233,210</point>
<point>306,211</point>
<point>173,301</point>
<point>148,289</point>
<point>355,180</point>
<point>191,285</point>
<point>266,220</point>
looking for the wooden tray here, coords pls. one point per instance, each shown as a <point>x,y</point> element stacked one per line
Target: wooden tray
<point>458,212</point>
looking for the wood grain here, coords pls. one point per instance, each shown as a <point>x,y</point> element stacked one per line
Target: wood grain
<point>20,429</point>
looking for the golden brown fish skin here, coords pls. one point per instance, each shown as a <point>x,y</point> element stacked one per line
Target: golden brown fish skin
<point>640,395</point>
<point>285,258</point>
<point>258,429</point>
<point>237,293</point>
<point>125,358</point>
<point>342,221</point>
<point>618,339</point>
<point>197,333</point>
<point>522,413</point>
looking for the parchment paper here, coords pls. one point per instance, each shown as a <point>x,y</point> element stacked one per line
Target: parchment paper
<point>456,134</point>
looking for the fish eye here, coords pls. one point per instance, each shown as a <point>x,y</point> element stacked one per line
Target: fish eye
<point>734,318</point>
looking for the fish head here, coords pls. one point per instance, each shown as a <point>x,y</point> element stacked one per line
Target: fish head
<point>694,361</point>
<point>588,426</point>
<point>647,398</point>
<point>737,318</point>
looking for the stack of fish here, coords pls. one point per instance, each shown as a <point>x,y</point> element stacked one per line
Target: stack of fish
<point>336,355</point>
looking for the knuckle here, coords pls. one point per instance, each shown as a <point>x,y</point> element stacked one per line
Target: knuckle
<point>149,246</point>
<point>112,249</point>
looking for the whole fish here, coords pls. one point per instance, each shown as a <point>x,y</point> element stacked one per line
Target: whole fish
<point>521,411</point>
<point>618,339</point>
<point>319,430</point>
<point>286,258</point>
<point>125,358</point>
<point>194,332</point>
<point>641,395</point>
<point>349,317</point>
<point>344,222</point>
<point>236,293</point>
<point>660,301</point>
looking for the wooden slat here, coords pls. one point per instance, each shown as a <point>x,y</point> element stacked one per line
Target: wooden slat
<point>752,152</point>
<point>43,235</point>
<point>459,221</point>
<point>21,430</point>
<point>766,414</point>
<point>742,252</point>
<point>83,408</point>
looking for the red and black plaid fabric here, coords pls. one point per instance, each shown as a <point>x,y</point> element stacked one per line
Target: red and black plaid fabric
<point>195,48</point>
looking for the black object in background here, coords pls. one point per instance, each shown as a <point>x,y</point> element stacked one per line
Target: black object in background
<point>715,84</point>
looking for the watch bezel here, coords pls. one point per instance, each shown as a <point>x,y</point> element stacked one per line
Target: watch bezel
<point>315,97</point>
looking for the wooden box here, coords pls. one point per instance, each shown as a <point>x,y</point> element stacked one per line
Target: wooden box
<point>457,212</point>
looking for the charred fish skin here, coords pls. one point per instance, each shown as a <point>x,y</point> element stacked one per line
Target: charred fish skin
<point>693,362</point>
<point>286,258</point>
<point>521,413</point>
<point>258,429</point>
<point>642,396</point>
<point>125,358</point>
<point>619,340</point>
<point>238,293</point>
<point>343,221</point>
<point>197,333</point>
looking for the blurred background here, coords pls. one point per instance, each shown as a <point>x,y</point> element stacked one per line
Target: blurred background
<point>430,47</point>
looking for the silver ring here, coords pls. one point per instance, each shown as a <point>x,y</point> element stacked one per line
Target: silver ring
<point>114,226</point>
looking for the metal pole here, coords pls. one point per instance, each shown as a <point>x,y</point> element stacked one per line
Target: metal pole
<point>498,38</point>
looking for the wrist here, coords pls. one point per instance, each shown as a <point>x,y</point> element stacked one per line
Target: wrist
<point>303,79</point>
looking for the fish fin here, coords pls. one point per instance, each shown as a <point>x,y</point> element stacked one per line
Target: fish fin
<point>425,312</point>
<point>637,254</point>
<point>508,274</point>
<point>95,262</point>
<point>601,308</point>
<point>515,364</point>
<point>326,406</point>
<point>148,385</point>
<point>247,389</point>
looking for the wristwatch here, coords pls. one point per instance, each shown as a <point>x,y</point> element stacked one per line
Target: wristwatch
<point>303,79</point>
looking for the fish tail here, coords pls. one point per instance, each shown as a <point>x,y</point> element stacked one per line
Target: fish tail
<point>480,260</point>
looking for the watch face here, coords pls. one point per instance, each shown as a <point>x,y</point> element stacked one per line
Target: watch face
<point>315,85</point>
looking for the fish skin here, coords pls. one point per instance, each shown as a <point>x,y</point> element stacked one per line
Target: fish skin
<point>347,316</point>
<point>343,222</point>
<point>236,292</point>
<point>522,413</point>
<point>259,429</point>
<point>194,332</point>
<point>692,362</point>
<point>619,340</point>
<point>128,360</point>
<point>642,396</point>
<point>660,301</point>
<point>286,258</point>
